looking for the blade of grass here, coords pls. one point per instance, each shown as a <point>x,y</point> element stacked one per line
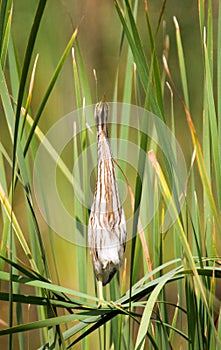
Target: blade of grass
<point>210,37</point>
<point>219,76</point>
<point>5,7</point>
<point>82,75</point>
<point>13,68</point>
<point>27,59</point>
<point>208,160</point>
<point>174,322</point>
<point>47,323</point>
<point>131,32</point>
<point>213,122</point>
<point>49,286</point>
<point>81,251</point>
<point>8,211</point>
<point>145,321</point>
<point>181,63</point>
<point>127,94</point>
<point>182,236</point>
<point>53,153</point>
<point>78,94</point>
<point>5,42</point>
<point>156,71</point>
<point>199,156</point>
<point>218,328</point>
<point>134,41</point>
<point>201,11</point>
<point>36,244</point>
<point>49,89</point>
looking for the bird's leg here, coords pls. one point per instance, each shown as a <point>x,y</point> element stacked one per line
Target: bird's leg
<point>100,293</point>
<point>100,290</point>
<point>101,297</point>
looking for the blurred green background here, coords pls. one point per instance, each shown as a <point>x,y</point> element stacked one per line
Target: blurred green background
<point>100,34</point>
<point>99,38</point>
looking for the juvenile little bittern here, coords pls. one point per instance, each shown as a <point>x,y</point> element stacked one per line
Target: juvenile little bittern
<point>107,225</point>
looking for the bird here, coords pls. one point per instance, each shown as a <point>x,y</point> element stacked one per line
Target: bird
<point>107,224</point>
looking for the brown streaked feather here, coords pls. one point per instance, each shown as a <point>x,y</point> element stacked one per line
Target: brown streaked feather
<point>107,225</point>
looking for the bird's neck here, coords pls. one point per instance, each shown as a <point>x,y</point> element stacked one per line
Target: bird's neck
<point>103,146</point>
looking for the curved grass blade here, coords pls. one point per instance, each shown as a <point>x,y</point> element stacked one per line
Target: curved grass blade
<point>134,42</point>
<point>53,153</point>
<point>38,300</point>
<point>219,76</point>
<point>108,313</point>
<point>27,59</point>
<point>182,236</point>
<point>76,81</point>
<point>156,71</point>
<point>35,276</point>
<point>131,32</point>
<point>181,63</point>
<point>82,75</point>
<point>48,323</point>
<point>46,285</point>
<point>5,42</point>
<point>49,89</point>
<point>199,156</point>
<point>5,7</point>
<point>12,218</point>
<point>145,321</point>
<point>213,122</point>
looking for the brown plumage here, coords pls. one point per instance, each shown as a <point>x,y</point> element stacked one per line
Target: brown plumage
<point>107,226</point>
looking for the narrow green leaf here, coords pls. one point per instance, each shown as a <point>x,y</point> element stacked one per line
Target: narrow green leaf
<point>219,76</point>
<point>49,89</point>
<point>5,7</point>
<point>46,323</point>
<point>213,122</point>
<point>82,75</point>
<point>156,71</point>
<point>4,47</point>
<point>8,211</point>
<point>202,170</point>
<point>182,63</point>
<point>145,321</point>
<point>27,59</point>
